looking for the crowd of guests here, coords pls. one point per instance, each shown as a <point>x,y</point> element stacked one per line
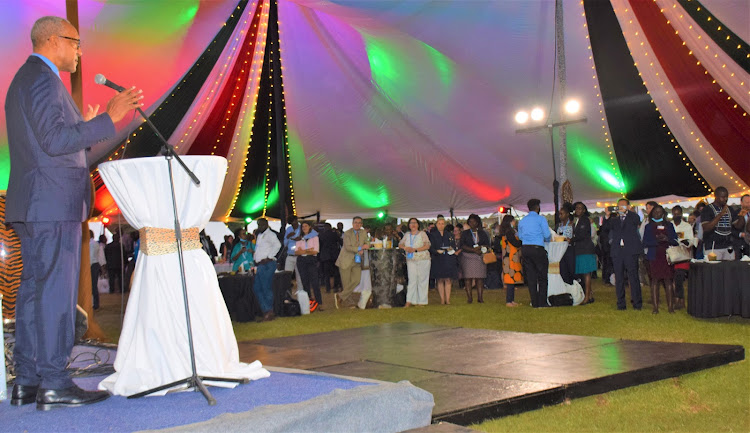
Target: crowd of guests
<point>113,263</point>
<point>623,243</point>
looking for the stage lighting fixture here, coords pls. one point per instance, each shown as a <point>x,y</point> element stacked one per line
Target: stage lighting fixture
<point>105,220</point>
<point>248,220</point>
<point>572,106</point>
<point>537,114</point>
<point>522,117</point>
<point>381,215</point>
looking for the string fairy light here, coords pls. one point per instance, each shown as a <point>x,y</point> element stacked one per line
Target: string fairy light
<point>172,95</point>
<point>711,157</point>
<point>603,116</point>
<point>286,125</point>
<point>674,106</point>
<point>249,102</point>
<point>709,49</point>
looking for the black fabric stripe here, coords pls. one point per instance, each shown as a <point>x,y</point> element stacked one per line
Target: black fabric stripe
<point>259,152</point>
<point>169,114</point>
<point>700,15</point>
<point>650,164</point>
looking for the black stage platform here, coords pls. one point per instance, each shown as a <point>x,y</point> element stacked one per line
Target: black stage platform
<point>475,374</point>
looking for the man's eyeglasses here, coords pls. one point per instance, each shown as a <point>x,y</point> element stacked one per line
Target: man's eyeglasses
<point>77,41</point>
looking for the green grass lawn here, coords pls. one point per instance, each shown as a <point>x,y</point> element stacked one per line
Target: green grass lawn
<point>717,399</point>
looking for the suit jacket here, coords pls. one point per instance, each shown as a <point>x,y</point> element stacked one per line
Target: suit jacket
<point>623,235</point>
<point>47,138</point>
<point>582,243</point>
<point>650,241</point>
<point>350,248</point>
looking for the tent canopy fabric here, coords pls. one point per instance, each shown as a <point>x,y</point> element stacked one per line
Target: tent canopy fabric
<point>408,106</point>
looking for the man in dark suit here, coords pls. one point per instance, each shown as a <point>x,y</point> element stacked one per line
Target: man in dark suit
<point>48,198</point>
<point>625,248</point>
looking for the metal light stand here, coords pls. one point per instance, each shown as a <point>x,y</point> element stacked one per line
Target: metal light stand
<point>550,127</point>
<point>193,381</point>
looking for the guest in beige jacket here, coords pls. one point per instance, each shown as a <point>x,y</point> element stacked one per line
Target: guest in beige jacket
<point>355,242</point>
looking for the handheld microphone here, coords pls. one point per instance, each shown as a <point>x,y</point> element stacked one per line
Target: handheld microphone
<point>101,79</point>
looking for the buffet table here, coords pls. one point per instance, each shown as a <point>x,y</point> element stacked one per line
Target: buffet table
<point>719,289</point>
<point>240,298</point>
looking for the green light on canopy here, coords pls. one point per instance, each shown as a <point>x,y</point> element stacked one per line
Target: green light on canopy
<point>381,215</point>
<point>253,204</point>
<point>594,165</point>
<point>148,22</point>
<point>364,194</point>
<point>410,70</point>
<point>248,220</point>
<point>4,165</point>
<point>367,195</point>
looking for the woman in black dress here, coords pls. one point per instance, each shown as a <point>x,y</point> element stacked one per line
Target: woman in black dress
<point>444,264</point>
<point>565,229</point>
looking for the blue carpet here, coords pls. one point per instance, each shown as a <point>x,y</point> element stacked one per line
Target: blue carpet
<point>118,414</point>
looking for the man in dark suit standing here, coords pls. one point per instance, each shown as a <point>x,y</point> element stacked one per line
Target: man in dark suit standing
<point>48,198</point>
<point>625,248</point>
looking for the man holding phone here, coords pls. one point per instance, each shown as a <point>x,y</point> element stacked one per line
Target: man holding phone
<point>716,220</point>
<point>625,248</point>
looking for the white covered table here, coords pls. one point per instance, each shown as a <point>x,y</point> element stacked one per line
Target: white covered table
<point>555,283</point>
<point>153,348</point>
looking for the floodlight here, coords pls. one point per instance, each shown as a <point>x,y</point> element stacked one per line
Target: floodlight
<point>537,114</point>
<point>572,106</point>
<point>522,117</point>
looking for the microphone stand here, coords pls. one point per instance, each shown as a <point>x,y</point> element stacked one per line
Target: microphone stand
<point>193,381</point>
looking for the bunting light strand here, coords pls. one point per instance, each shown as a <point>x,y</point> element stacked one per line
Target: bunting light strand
<point>637,41</point>
<point>286,125</point>
<point>243,134</point>
<point>605,124</point>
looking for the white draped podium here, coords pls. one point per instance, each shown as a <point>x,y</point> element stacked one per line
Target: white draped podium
<point>153,348</point>
<point>555,284</point>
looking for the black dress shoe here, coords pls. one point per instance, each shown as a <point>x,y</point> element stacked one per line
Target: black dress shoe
<point>47,399</point>
<point>23,394</point>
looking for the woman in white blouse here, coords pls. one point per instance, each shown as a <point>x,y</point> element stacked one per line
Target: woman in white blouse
<point>416,244</point>
<point>306,249</point>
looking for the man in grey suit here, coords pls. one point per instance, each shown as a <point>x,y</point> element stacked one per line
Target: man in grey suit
<point>48,198</point>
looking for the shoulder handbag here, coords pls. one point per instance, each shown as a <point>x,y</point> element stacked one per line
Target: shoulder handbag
<point>489,257</point>
<point>678,254</point>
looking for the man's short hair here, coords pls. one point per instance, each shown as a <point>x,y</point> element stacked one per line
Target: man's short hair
<point>677,207</point>
<point>533,204</point>
<point>625,200</point>
<point>357,218</point>
<point>291,218</point>
<point>652,203</point>
<point>743,197</point>
<point>46,27</point>
<point>721,190</point>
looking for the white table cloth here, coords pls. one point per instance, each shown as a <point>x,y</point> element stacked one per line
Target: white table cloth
<point>223,267</point>
<point>555,283</point>
<point>153,348</point>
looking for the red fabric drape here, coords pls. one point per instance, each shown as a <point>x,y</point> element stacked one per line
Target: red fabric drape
<point>219,128</point>
<point>724,126</point>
